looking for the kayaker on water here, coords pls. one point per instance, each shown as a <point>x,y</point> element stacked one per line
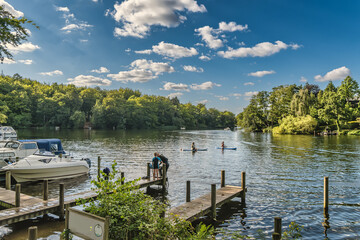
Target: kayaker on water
<point>193,148</point>
<point>222,145</point>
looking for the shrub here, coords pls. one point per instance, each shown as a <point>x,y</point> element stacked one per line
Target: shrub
<point>296,125</point>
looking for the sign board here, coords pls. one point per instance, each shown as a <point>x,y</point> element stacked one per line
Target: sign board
<point>87,225</point>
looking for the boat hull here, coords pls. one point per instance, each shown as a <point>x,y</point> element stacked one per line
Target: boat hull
<point>227,148</point>
<point>197,150</point>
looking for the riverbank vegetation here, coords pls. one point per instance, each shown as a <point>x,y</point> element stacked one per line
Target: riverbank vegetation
<point>292,109</point>
<point>28,103</point>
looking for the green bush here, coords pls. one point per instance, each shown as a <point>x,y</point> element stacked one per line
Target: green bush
<point>296,125</point>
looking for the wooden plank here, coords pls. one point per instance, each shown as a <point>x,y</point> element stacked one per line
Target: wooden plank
<point>201,206</point>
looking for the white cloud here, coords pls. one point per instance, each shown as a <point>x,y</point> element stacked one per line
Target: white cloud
<point>249,94</point>
<point>204,86</point>
<point>62,9</point>
<point>25,47</point>
<point>211,36</point>
<point>261,73</point>
<point>73,27</point>
<point>221,98</point>
<point>26,61</point>
<point>88,80</point>
<point>83,40</point>
<point>170,50</point>
<point>231,27</point>
<point>138,16</point>
<point>263,49</point>
<point>174,95</point>
<point>203,101</point>
<point>8,61</point>
<point>175,86</point>
<point>11,9</point>
<point>249,84</point>
<point>128,50</point>
<point>303,79</point>
<point>101,70</point>
<point>204,58</point>
<point>155,67</point>
<point>236,95</point>
<point>53,73</point>
<point>189,68</point>
<point>336,74</point>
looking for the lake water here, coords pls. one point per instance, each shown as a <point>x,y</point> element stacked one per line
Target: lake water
<point>284,175</point>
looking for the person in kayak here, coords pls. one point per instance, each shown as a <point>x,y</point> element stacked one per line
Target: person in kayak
<point>222,145</point>
<point>165,162</point>
<point>193,148</point>
<point>155,162</point>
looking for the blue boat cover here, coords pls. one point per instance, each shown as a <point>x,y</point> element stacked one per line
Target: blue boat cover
<point>51,145</point>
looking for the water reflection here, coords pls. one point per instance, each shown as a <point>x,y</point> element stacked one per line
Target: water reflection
<point>326,223</point>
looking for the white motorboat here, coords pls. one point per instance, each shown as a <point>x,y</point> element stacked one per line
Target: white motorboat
<point>7,133</point>
<point>47,166</point>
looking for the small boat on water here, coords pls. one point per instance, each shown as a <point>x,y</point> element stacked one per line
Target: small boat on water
<point>227,148</point>
<point>47,166</point>
<point>197,150</point>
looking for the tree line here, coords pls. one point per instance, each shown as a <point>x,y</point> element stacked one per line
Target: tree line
<point>28,103</point>
<point>292,109</point>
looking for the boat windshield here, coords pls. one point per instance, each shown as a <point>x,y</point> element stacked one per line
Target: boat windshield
<point>45,160</point>
<point>13,145</point>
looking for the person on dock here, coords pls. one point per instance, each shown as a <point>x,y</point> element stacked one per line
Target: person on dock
<point>193,148</point>
<point>107,172</point>
<point>155,162</point>
<point>165,162</point>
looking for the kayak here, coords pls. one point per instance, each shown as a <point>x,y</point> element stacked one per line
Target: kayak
<point>227,148</point>
<point>197,150</point>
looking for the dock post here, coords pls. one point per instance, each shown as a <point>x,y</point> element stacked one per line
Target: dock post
<point>188,191</point>
<point>222,178</point>
<point>17,195</point>
<point>32,233</point>
<point>243,186</point>
<point>277,228</point>
<point>99,166</point>
<point>122,175</point>
<point>67,222</point>
<point>213,200</point>
<point>46,190</point>
<point>17,159</point>
<point>164,177</point>
<point>61,201</point>
<point>148,171</point>
<point>326,193</point>
<point>8,180</point>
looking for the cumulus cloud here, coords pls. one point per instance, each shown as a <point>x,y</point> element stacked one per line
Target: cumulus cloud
<point>249,94</point>
<point>263,49</point>
<point>62,9</point>
<point>88,80</point>
<point>142,70</point>
<point>336,74</point>
<point>174,95</point>
<point>211,36</point>
<point>303,79</point>
<point>26,61</point>
<point>101,70</point>
<point>189,68</point>
<point>11,9</point>
<point>221,98</point>
<point>25,47</point>
<point>175,86</point>
<point>73,27</point>
<point>8,61</point>
<point>204,86</point>
<point>204,58</point>
<point>170,50</point>
<point>261,73</point>
<point>53,73</point>
<point>249,84</point>
<point>138,16</point>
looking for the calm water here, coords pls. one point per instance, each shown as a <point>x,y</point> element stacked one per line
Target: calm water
<point>284,175</point>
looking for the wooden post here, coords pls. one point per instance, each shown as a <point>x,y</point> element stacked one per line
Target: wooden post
<point>326,193</point>
<point>276,236</point>
<point>243,186</point>
<point>17,159</point>
<point>188,191</point>
<point>164,177</point>
<point>99,166</point>
<point>32,233</point>
<point>46,190</point>
<point>61,201</point>
<point>277,228</point>
<point>222,178</point>
<point>67,237</point>
<point>213,200</point>
<point>122,175</point>
<point>148,171</point>
<point>106,228</point>
<point>8,180</point>
<point>17,195</point>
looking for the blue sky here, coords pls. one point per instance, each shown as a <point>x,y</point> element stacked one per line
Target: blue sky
<point>215,52</point>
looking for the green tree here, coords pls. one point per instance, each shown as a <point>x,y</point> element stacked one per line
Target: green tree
<point>12,32</point>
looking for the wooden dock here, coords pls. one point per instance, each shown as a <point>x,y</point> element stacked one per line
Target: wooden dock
<point>31,207</point>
